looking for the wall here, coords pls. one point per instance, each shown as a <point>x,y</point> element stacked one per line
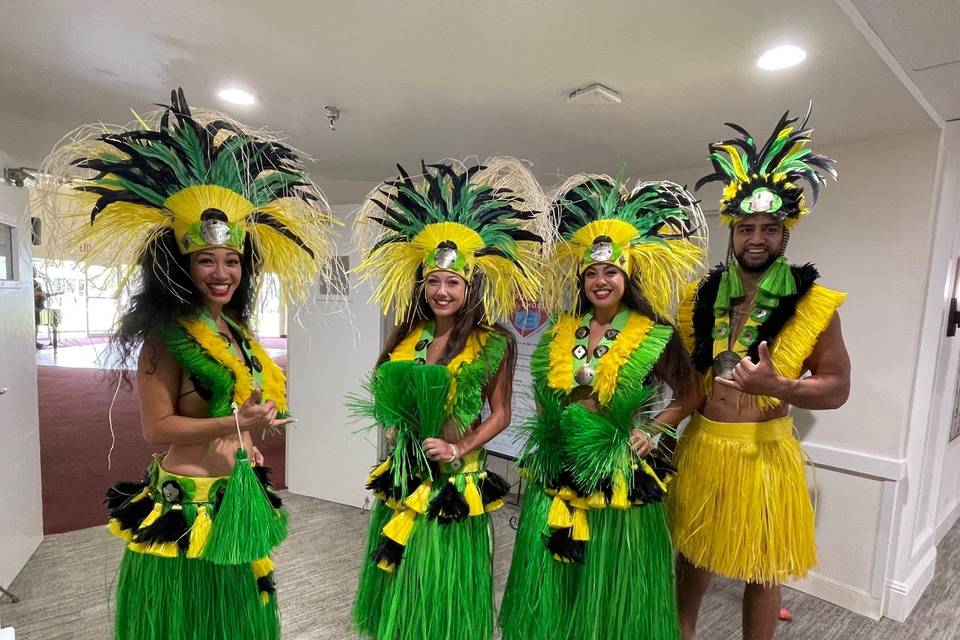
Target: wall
<point>869,236</point>
<point>927,507</point>
<point>948,493</point>
<point>329,356</point>
<point>21,527</point>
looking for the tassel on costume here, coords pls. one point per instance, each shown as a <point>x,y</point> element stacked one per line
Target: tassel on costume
<point>244,508</point>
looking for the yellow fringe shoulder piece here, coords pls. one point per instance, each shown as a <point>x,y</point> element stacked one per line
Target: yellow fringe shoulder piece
<point>608,370</point>
<point>217,349</point>
<point>274,380</point>
<point>685,311</point>
<point>407,347</point>
<point>562,341</point>
<point>471,350</point>
<point>796,341</point>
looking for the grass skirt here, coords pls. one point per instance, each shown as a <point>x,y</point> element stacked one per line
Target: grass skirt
<point>197,563</point>
<point>185,598</point>
<point>441,586</point>
<point>624,590</point>
<point>739,505</point>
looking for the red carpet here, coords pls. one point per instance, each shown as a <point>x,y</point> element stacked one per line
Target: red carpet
<point>75,439</point>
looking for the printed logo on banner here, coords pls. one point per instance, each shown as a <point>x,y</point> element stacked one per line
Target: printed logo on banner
<point>528,318</point>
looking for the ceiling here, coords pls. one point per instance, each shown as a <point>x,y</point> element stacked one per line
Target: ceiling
<point>925,39</point>
<point>441,78</point>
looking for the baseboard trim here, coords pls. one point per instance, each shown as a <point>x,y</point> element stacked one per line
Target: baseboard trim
<point>944,526</point>
<point>840,594</point>
<point>903,596</point>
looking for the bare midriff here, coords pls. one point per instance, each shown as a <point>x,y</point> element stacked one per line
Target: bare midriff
<point>729,405</point>
<point>212,458</point>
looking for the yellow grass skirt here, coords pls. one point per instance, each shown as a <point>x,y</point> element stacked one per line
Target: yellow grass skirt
<point>739,505</point>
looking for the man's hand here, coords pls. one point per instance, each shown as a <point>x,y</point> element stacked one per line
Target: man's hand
<point>759,379</point>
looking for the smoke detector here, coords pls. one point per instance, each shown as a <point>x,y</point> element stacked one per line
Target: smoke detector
<point>594,93</point>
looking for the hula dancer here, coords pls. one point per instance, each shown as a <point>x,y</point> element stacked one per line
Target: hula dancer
<point>593,559</point>
<point>203,207</point>
<point>740,506</point>
<point>452,257</point>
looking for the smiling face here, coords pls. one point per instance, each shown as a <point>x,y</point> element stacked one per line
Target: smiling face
<point>756,242</point>
<point>445,292</point>
<point>603,284</point>
<point>216,273</point>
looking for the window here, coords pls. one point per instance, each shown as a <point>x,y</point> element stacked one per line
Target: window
<point>6,252</point>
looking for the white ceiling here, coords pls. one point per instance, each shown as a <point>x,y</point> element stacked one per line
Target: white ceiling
<point>924,36</point>
<point>447,78</point>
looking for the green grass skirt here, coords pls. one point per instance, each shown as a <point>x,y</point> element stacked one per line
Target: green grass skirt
<point>441,590</point>
<point>191,599</point>
<point>623,591</point>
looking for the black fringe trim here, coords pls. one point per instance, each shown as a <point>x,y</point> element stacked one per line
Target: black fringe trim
<point>561,544</point>
<point>645,489</point>
<point>388,550</point>
<point>449,506</point>
<point>169,527</point>
<point>263,475</point>
<point>702,356</point>
<point>132,513</point>
<point>492,488</point>
<point>265,584</point>
<point>121,492</point>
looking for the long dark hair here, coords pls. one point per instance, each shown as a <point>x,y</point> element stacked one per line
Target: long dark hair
<point>165,293</point>
<point>469,316</point>
<point>675,361</point>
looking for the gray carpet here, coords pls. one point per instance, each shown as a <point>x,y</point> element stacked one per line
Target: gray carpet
<point>65,587</point>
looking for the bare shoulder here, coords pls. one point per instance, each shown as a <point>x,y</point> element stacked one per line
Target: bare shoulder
<point>830,350</point>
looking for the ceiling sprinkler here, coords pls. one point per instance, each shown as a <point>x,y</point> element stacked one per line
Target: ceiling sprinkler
<point>333,113</point>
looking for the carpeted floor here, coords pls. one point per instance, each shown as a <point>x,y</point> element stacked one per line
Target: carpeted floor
<point>75,440</point>
<point>65,588</point>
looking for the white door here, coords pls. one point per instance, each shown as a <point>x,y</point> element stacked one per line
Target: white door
<point>21,525</point>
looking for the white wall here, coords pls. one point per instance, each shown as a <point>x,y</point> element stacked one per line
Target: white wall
<point>948,502</point>
<point>329,356</point>
<point>21,527</point>
<point>869,236</point>
<point>927,501</point>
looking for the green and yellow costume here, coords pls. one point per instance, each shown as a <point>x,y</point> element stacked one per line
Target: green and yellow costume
<point>592,558</point>
<point>745,481</point>
<point>197,563</point>
<point>427,572</point>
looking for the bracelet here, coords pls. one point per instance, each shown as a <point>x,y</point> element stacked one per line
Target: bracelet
<point>453,455</point>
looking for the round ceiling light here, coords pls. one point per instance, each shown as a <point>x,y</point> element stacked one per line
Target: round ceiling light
<point>237,96</point>
<point>781,57</point>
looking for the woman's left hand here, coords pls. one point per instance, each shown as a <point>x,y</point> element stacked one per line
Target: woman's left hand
<point>257,457</point>
<point>641,442</point>
<point>439,450</point>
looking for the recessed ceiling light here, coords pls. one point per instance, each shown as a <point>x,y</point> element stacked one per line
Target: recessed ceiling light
<point>781,57</point>
<point>237,96</point>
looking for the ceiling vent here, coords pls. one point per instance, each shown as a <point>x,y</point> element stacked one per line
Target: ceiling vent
<point>595,93</point>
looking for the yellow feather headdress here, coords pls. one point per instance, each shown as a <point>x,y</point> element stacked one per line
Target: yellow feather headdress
<point>767,180</point>
<point>655,234</point>
<point>206,179</point>
<point>478,221</point>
